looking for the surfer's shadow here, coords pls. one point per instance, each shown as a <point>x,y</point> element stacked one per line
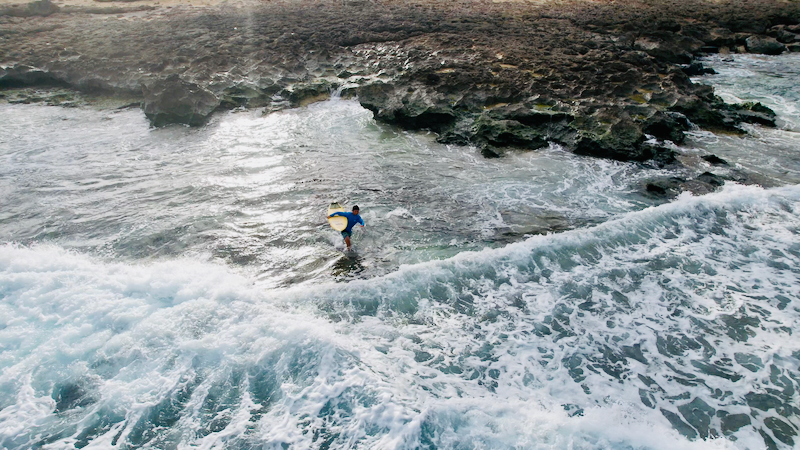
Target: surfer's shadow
<point>350,265</point>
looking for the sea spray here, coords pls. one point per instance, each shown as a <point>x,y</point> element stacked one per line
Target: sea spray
<point>644,321</point>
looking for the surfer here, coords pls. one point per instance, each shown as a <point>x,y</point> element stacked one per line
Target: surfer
<point>352,219</point>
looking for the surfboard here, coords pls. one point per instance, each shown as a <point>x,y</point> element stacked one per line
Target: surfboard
<point>337,223</point>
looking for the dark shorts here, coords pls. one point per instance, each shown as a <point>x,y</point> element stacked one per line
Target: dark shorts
<point>347,234</point>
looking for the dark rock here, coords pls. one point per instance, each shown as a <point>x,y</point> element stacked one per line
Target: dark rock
<point>22,75</point>
<point>786,37</point>
<point>668,187</point>
<point>696,69</point>
<point>782,34</point>
<point>407,107</point>
<point>750,112</point>
<point>794,48</point>
<point>668,126</point>
<point>508,133</point>
<point>489,151</point>
<point>715,160</point>
<point>669,47</point>
<point>704,113</point>
<point>709,49</point>
<point>495,75</point>
<point>173,100</point>
<point>622,141</point>
<point>764,45</point>
<point>710,178</point>
<point>672,186</point>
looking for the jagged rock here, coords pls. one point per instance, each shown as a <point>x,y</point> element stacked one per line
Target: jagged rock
<point>173,100</point>
<point>764,45</point>
<point>668,126</point>
<point>22,75</point>
<point>495,76</point>
<point>670,47</point>
<point>697,69</point>
<point>782,34</point>
<point>714,160</point>
<point>667,187</point>
<point>751,112</point>
<point>707,110</point>
<point>794,48</point>
<point>622,141</point>
<point>670,187</point>
<point>409,107</point>
<point>711,179</point>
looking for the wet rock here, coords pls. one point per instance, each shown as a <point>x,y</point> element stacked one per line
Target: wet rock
<point>782,34</point>
<point>668,188</point>
<point>482,75</point>
<point>751,112</point>
<point>624,141</point>
<point>21,75</point>
<point>669,46</point>
<point>765,45</point>
<point>668,127</point>
<point>714,160</point>
<point>794,48</point>
<point>407,107</point>
<point>175,101</point>
<point>711,179</point>
<point>696,69</point>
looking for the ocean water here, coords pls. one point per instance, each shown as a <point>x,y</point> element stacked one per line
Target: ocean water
<point>179,288</point>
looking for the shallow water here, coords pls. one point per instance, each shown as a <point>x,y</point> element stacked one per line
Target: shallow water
<point>179,288</point>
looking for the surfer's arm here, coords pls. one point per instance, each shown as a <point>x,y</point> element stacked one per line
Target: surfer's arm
<point>336,214</point>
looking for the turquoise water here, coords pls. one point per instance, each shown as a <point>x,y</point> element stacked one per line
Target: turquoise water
<point>179,288</point>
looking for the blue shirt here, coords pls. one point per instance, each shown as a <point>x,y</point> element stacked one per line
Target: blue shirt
<point>352,219</point>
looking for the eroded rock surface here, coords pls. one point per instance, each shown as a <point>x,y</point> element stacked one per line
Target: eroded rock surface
<point>173,100</point>
<point>606,80</point>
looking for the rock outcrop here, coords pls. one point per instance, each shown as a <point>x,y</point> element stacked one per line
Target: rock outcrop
<point>604,80</point>
<point>173,100</point>
<point>764,45</point>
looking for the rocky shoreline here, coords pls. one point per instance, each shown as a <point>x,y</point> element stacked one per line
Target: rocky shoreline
<point>605,79</point>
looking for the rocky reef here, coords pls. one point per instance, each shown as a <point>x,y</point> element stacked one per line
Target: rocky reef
<point>605,79</point>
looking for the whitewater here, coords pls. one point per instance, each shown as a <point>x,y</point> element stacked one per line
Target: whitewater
<point>179,288</point>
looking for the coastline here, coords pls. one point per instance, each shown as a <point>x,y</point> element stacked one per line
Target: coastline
<point>598,78</point>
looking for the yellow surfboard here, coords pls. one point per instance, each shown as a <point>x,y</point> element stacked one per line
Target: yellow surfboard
<point>338,223</point>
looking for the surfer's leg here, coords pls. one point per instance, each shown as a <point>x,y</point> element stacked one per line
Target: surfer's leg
<point>346,237</point>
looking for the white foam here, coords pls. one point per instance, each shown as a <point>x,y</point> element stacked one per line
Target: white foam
<point>134,336</point>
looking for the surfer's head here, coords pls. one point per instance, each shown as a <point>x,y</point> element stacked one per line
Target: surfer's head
<point>355,209</point>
